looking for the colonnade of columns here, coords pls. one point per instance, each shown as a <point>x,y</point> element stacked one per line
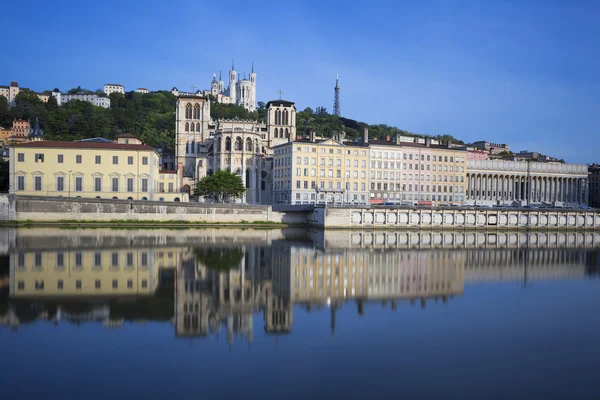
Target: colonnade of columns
<point>535,189</point>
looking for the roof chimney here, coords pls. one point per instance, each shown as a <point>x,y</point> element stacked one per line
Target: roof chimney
<point>365,136</point>
<point>388,138</point>
<point>428,142</point>
<point>311,135</point>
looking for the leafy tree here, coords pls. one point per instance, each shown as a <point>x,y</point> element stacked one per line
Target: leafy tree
<point>231,111</point>
<point>220,186</point>
<point>220,259</point>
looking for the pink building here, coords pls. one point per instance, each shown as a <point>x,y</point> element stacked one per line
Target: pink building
<point>477,155</point>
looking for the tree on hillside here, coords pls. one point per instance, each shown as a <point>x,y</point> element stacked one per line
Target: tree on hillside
<point>220,186</point>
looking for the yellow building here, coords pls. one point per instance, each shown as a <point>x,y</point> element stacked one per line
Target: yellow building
<point>125,169</point>
<point>311,170</point>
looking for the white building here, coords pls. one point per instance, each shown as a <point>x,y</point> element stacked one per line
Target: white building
<point>141,90</point>
<point>241,92</point>
<point>113,88</point>
<point>99,101</point>
<point>491,182</point>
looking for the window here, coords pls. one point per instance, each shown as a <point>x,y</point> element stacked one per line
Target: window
<point>130,160</point>
<point>114,259</point>
<point>78,284</point>
<point>115,184</point>
<point>21,157</point>
<point>98,184</point>
<point>144,185</point>
<point>97,259</point>
<point>60,158</point>
<point>78,184</point>
<point>20,183</point>
<point>115,284</point>
<point>78,159</point>
<point>60,183</point>
<point>129,283</point>
<point>144,259</point>
<point>21,285</point>
<point>98,159</point>
<point>39,157</point>
<point>37,180</point>
<point>144,160</point>
<point>78,259</point>
<point>130,259</point>
<point>60,285</point>
<point>130,184</point>
<point>170,187</point>
<point>115,159</point>
<point>144,283</point>
<point>97,284</point>
<point>39,285</point>
<point>60,259</point>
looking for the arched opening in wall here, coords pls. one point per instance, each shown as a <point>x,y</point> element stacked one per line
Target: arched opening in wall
<point>247,178</point>
<point>161,199</point>
<point>130,198</point>
<point>228,144</point>
<point>192,128</point>
<point>256,146</point>
<point>98,197</point>
<point>248,144</point>
<point>197,111</point>
<point>177,199</point>
<point>186,189</point>
<point>263,150</point>
<point>219,144</point>
<point>188,111</point>
<point>276,132</point>
<point>115,198</point>
<point>239,144</point>
<point>144,198</point>
<point>187,126</point>
<point>287,133</point>
<point>198,126</point>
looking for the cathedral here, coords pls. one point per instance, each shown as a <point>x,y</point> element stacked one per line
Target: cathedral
<point>241,92</point>
<point>204,145</point>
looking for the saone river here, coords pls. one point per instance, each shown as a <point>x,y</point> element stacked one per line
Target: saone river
<point>226,313</point>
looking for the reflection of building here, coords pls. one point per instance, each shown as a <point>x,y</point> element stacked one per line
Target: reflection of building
<point>87,272</point>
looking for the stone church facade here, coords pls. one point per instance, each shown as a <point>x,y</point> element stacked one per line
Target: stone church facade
<point>204,146</point>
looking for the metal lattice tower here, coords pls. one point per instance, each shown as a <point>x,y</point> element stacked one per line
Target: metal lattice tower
<point>336,99</point>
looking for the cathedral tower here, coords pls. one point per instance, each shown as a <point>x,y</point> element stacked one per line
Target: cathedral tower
<point>281,122</point>
<point>253,88</point>
<point>232,83</point>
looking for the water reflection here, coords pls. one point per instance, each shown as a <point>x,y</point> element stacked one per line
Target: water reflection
<point>215,281</point>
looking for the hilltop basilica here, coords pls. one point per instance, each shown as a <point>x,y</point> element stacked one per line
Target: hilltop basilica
<point>204,145</point>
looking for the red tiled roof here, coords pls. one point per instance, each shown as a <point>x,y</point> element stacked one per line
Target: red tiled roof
<point>87,145</point>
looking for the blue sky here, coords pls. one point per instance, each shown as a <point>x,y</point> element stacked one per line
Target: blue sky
<point>522,72</point>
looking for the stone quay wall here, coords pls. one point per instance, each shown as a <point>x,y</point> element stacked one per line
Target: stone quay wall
<point>333,217</point>
<point>43,209</point>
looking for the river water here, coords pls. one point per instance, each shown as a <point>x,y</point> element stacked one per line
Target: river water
<point>243,313</point>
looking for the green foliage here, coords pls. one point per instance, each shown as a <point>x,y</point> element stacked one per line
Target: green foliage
<point>326,125</point>
<point>220,259</point>
<point>150,116</point>
<point>220,186</point>
<point>231,111</point>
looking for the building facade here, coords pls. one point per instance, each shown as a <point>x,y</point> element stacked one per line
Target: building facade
<point>594,185</point>
<point>99,101</point>
<point>309,171</point>
<point>11,92</point>
<point>116,170</point>
<point>204,146</point>
<point>496,182</point>
<point>113,88</point>
<point>142,90</point>
<point>491,148</point>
